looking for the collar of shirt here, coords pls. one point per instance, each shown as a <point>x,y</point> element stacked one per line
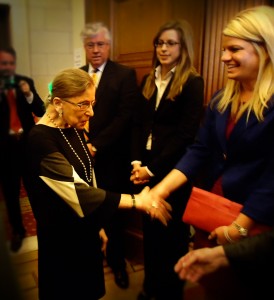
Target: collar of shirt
<point>98,73</point>
<point>162,83</point>
<point>100,69</point>
<point>168,75</point>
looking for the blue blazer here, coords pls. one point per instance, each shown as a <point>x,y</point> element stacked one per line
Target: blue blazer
<point>245,161</point>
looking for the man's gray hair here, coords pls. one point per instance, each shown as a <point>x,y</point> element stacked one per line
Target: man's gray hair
<point>92,29</point>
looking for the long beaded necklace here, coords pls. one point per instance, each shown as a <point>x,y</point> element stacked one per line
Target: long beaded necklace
<point>89,179</point>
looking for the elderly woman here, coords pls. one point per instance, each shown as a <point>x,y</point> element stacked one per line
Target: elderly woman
<point>69,210</point>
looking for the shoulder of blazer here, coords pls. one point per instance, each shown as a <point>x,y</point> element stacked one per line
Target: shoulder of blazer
<point>113,65</point>
<point>192,77</point>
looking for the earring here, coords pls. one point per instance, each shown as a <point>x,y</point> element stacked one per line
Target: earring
<point>60,112</point>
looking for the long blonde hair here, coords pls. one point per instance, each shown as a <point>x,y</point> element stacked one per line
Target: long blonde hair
<point>255,25</point>
<point>184,66</point>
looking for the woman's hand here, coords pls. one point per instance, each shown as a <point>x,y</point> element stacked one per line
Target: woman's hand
<point>225,235</point>
<point>139,175</point>
<point>90,148</point>
<point>104,240</point>
<point>157,208</point>
<point>230,233</point>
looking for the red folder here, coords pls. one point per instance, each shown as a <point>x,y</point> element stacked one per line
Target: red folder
<point>207,211</point>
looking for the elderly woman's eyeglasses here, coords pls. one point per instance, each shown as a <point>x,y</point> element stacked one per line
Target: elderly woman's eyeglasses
<point>168,44</point>
<point>82,105</point>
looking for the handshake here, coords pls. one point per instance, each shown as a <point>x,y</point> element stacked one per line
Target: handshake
<point>153,205</point>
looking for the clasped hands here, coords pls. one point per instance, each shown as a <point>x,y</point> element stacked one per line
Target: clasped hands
<point>157,207</point>
<point>154,205</point>
<point>139,175</point>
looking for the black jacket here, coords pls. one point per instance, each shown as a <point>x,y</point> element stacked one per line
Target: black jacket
<point>24,109</point>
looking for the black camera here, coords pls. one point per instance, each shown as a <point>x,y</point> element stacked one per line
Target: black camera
<point>6,82</point>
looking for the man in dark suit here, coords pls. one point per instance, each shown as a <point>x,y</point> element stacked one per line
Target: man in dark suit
<point>19,103</point>
<point>109,135</point>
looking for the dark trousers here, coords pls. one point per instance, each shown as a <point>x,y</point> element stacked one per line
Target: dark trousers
<point>112,173</point>
<point>163,246</point>
<point>12,172</point>
<point>115,230</point>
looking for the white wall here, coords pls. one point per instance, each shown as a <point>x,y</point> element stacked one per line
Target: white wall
<point>19,34</point>
<point>46,36</point>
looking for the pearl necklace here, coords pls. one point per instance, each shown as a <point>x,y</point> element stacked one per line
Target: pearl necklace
<point>89,179</point>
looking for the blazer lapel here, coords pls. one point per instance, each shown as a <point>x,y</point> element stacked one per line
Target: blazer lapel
<point>163,98</point>
<point>107,75</point>
<point>242,125</point>
<point>221,124</point>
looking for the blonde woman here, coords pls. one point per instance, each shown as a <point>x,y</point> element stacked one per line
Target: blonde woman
<point>236,138</point>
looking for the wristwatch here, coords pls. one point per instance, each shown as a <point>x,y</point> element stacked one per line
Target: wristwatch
<point>243,231</point>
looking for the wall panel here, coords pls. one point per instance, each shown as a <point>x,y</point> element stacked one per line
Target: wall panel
<point>218,13</point>
<point>134,23</point>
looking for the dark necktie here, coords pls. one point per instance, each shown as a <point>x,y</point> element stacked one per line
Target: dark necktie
<point>15,124</point>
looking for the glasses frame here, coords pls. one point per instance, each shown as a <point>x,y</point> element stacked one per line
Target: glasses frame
<point>81,104</point>
<point>168,44</point>
<point>99,45</point>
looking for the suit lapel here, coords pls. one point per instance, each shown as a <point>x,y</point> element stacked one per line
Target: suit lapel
<point>240,127</point>
<point>163,98</point>
<point>107,75</point>
<point>221,124</point>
